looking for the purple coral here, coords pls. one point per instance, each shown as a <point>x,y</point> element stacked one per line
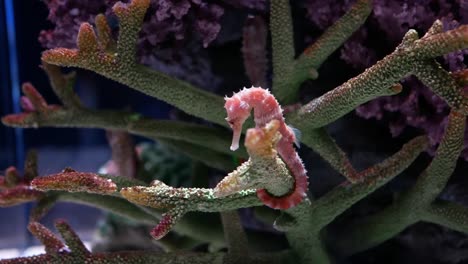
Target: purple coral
<point>357,52</point>
<point>167,24</point>
<point>67,17</point>
<point>324,13</point>
<point>251,4</point>
<point>167,20</point>
<point>391,18</point>
<point>417,106</point>
<point>396,17</point>
<point>177,18</point>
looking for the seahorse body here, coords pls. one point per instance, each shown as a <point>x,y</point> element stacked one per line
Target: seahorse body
<point>266,108</point>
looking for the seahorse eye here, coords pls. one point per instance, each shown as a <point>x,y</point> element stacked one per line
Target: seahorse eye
<point>230,121</point>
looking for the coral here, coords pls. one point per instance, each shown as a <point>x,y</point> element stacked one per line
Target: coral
<point>16,190</point>
<point>418,106</point>
<point>74,251</point>
<point>183,210</point>
<point>73,181</point>
<point>124,160</point>
<point>168,20</point>
<point>254,43</point>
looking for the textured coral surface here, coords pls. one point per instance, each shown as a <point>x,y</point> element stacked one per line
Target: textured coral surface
<point>129,42</point>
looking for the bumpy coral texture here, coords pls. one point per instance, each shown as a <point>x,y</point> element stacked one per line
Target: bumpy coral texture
<point>167,19</point>
<point>417,107</point>
<point>167,27</point>
<point>311,227</point>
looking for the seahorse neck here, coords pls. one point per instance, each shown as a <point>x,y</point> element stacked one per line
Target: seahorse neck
<point>265,107</point>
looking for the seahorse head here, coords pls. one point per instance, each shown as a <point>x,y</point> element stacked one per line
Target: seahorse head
<point>237,112</point>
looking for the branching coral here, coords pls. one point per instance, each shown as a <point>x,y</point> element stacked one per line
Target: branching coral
<point>168,21</point>
<point>74,114</point>
<point>74,251</point>
<point>417,107</point>
<point>305,225</point>
<point>16,190</point>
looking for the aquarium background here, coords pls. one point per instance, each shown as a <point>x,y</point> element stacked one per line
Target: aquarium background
<point>81,149</point>
<point>20,24</point>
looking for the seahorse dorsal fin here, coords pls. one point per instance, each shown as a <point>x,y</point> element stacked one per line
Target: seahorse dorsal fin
<point>297,136</point>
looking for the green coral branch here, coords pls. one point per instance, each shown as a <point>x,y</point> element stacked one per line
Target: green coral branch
<point>125,257</point>
<point>104,34</point>
<point>207,156</point>
<point>448,214</point>
<point>213,138</point>
<point>281,28</point>
<point>319,252</point>
<point>289,73</point>
<point>130,20</point>
<point>411,206</point>
<point>342,197</point>
<point>122,67</point>
<point>43,206</point>
<point>63,84</point>
<point>112,204</point>
<point>179,201</point>
<point>321,212</point>
<point>434,45</point>
<point>204,227</point>
<point>100,191</point>
<point>380,79</point>
<point>317,113</point>
<point>47,199</point>
<point>313,56</point>
<point>177,134</point>
<point>195,225</point>
<point>56,190</point>
<point>71,239</point>
<point>75,115</point>
<point>236,239</point>
<point>434,179</point>
<point>117,61</point>
<point>71,187</point>
<point>307,246</point>
<point>264,170</point>
<point>128,121</point>
<point>373,230</point>
<point>162,196</point>
<point>322,143</point>
<point>180,94</point>
<point>73,251</point>
<point>30,170</point>
<point>442,83</point>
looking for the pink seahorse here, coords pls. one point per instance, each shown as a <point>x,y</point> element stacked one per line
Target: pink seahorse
<point>266,108</point>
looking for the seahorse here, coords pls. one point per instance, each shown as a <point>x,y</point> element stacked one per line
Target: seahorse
<point>267,108</point>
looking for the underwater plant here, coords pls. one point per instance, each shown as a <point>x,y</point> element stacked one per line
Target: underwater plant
<point>272,174</point>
